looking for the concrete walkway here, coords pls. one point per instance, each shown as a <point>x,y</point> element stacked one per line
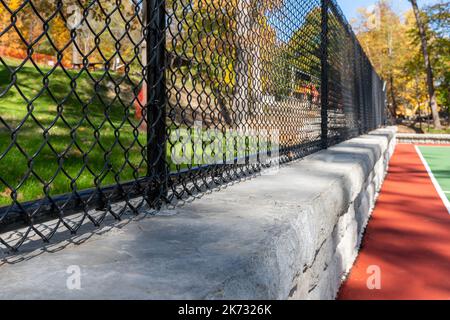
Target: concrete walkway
<point>408,238</point>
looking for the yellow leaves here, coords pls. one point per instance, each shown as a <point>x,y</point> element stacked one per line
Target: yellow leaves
<point>229,77</point>
<point>8,192</point>
<point>391,50</point>
<point>13,4</point>
<point>59,31</point>
<point>229,6</point>
<point>225,5</point>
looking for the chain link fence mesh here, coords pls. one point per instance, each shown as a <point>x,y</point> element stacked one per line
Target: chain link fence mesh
<point>111,107</point>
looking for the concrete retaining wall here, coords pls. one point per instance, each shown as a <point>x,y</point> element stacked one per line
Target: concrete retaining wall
<point>423,138</point>
<point>293,235</point>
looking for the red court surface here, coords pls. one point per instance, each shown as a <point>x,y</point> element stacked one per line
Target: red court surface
<point>408,238</point>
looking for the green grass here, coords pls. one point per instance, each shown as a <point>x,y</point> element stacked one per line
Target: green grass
<point>435,131</point>
<point>104,143</point>
<point>107,150</point>
<point>431,129</point>
<point>438,159</point>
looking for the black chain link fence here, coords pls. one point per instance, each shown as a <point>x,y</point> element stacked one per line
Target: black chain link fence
<point>111,107</point>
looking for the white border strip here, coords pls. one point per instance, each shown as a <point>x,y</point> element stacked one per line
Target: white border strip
<point>433,179</point>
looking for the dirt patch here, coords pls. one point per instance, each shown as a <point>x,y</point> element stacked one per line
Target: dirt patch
<point>406,129</point>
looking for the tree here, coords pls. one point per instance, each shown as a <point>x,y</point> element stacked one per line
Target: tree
<point>223,46</point>
<point>430,78</point>
<point>438,34</point>
<point>395,50</point>
<point>10,39</point>
<point>387,46</point>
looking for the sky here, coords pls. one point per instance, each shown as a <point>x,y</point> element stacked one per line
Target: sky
<point>285,26</point>
<point>350,7</point>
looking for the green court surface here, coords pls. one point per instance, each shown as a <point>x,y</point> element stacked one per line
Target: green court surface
<point>438,160</point>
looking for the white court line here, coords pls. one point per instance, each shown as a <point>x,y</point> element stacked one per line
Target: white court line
<point>435,182</point>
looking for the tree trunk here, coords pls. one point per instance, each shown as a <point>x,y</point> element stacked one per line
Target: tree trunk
<point>418,102</point>
<point>394,101</point>
<point>429,70</point>
<point>241,97</point>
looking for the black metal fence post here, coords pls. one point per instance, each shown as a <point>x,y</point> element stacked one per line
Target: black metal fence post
<point>360,87</point>
<point>365,99</point>
<point>157,171</point>
<point>357,83</point>
<point>384,105</point>
<point>324,75</point>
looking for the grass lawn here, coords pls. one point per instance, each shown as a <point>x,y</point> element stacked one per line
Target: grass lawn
<point>432,130</point>
<point>94,147</point>
<point>435,131</point>
<point>79,133</point>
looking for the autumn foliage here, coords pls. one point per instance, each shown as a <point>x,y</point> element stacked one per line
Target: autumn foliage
<point>393,46</point>
<point>42,30</point>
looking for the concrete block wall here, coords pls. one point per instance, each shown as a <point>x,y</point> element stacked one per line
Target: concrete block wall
<point>336,255</point>
<point>292,235</point>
